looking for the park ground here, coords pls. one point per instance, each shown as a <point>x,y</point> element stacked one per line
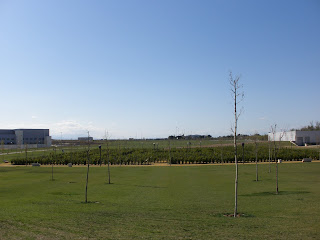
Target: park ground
<point>174,202</point>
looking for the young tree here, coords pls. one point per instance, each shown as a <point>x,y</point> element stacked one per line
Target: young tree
<point>221,151</point>
<point>169,152</point>
<point>26,154</point>
<point>256,152</point>
<point>269,143</point>
<point>52,161</point>
<point>2,147</point>
<point>273,130</point>
<point>108,158</point>
<point>88,162</point>
<point>237,96</point>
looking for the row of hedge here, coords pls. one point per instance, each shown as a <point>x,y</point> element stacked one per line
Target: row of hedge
<point>221,154</point>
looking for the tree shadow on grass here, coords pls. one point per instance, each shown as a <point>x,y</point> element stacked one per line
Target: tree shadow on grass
<point>274,193</point>
<point>141,186</point>
<point>146,186</point>
<point>90,202</point>
<point>231,215</point>
<point>64,193</point>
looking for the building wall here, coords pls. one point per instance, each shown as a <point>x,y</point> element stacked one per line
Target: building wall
<point>19,137</point>
<point>48,141</point>
<point>282,136</point>
<point>40,137</point>
<point>299,137</point>
<point>34,136</point>
<point>308,137</point>
<point>7,137</point>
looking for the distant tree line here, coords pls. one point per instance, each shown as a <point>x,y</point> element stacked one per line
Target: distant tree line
<point>311,127</point>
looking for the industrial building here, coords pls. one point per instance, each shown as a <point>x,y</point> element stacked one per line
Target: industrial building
<point>20,137</point>
<point>300,138</point>
<point>85,139</point>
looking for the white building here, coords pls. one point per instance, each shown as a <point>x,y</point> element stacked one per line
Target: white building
<point>298,137</point>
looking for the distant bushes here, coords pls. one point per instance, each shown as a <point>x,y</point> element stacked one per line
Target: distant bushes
<point>143,156</point>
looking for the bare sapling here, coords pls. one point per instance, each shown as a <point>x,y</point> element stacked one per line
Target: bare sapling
<point>169,153</point>
<point>237,96</point>
<point>256,151</point>
<point>269,143</point>
<point>108,159</point>
<point>88,162</point>
<point>26,154</point>
<point>273,130</point>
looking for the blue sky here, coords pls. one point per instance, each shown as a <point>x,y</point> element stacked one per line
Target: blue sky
<point>141,68</point>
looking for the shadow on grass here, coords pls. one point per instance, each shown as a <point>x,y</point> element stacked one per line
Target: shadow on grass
<point>274,193</point>
<point>231,215</point>
<point>146,186</point>
<point>141,186</point>
<point>90,202</point>
<point>63,193</point>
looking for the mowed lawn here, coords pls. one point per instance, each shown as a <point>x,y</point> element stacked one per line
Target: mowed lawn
<point>150,202</point>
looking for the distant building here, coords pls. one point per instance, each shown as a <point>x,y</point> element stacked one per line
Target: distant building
<point>189,137</point>
<point>298,137</point>
<point>19,137</point>
<point>83,139</point>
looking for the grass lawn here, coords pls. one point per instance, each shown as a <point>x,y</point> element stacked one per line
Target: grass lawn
<point>150,202</point>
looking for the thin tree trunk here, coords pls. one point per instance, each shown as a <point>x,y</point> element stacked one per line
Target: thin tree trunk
<point>88,159</point>
<point>26,154</point>
<point>269,157</point>
<point>275,158</point>
<point>234,82</point>
<point>277,188</point>
<point>221,155</point>
<point>108,158</point>
<point>235,158</point>
<point>169,153</point>
<point>257,179</point>
<point>108,164</point>
<point>236,188</point>
<point>87,177</point>
<point>109,171</point>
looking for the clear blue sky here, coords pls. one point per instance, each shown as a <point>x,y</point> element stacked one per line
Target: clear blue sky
<point>141,68</point>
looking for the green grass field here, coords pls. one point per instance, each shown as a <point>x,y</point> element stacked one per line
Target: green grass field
<point>152,202</point>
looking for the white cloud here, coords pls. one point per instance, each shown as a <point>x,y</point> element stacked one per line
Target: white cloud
<point>74,129</point>
<point>70,129</point>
